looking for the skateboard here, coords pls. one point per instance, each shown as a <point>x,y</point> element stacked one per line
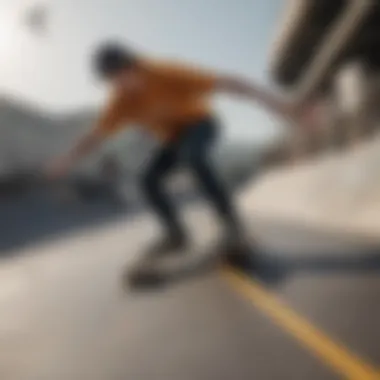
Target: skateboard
<point>156,272</point>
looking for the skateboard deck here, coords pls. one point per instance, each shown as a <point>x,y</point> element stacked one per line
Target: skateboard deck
<point>149,271</point>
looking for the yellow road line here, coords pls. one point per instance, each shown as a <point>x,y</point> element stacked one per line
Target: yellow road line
<point>333,354</point>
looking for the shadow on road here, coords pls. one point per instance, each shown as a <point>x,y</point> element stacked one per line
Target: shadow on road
<point>39,216</point>
<point>275,269</point>
<point>269,269</point>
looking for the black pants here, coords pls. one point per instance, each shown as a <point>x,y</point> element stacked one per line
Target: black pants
<point>192,149</point>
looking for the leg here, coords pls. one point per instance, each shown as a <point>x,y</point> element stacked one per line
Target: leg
<point>195,146</point>
<point>161,165</point>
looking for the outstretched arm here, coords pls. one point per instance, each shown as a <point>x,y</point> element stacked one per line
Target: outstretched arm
<point>62,165</point>
<point>257,93</point>
<point>108,123</point>
<point>198,82</point>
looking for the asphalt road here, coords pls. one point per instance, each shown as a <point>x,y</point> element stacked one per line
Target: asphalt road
<point>66,314</point>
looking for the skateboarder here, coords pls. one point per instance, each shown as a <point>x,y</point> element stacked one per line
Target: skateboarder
<point>170,100</point>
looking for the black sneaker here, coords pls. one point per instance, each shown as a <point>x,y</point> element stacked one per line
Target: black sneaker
<point>237,252</point>
<point>172,244</point>
<point>239,259</point>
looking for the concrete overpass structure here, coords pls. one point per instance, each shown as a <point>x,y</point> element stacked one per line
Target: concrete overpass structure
<point>328,50</point>
<point>315,38</point>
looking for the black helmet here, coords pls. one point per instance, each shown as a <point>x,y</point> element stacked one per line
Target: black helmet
<point>110,58</point>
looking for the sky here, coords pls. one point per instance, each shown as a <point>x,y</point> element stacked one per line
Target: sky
<point>53,71</point>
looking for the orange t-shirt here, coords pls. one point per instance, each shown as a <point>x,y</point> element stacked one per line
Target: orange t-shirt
<point>170,99</point>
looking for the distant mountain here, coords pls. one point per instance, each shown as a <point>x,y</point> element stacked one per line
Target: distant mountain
<point>29,136</point>
<point>25,136</point>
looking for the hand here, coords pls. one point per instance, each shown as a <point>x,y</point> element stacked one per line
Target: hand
<point>58,169</point>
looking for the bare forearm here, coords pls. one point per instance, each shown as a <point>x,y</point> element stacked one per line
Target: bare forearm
<point>82,149</point>
<point>85,146</point>
<point>261,95</point>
